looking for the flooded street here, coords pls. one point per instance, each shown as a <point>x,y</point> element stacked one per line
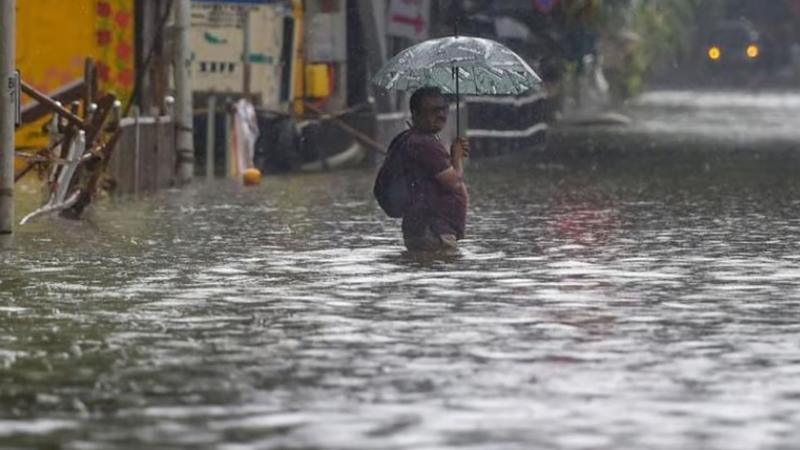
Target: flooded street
<point>729,118</point>
<point>590,308</point>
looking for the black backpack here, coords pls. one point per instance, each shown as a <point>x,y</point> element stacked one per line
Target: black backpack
<point>393,185</point>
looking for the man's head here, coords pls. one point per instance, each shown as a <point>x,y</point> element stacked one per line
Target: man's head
<point>428,110</point>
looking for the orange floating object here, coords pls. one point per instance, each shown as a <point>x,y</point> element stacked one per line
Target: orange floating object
<point>252,177</point>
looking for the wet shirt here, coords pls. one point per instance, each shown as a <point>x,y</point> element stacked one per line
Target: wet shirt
<point>433,206</point>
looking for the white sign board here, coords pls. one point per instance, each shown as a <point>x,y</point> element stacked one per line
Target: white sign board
<point>217,42</point>
<point>326,38</point>
<point>409,19</point>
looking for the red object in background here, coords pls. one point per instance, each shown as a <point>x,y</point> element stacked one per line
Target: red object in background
<point>124,51</point>
<point>103,71</point>
<point>794,5</point>
<point>123,18</point>
<point>544,6</point>
<point>103,37</point>
<point>329,6</point>
<point>103,9</point>
<point>125,78</point>
<point>417,22</point>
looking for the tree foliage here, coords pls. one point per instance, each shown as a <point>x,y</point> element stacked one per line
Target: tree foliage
<point>666,31</point>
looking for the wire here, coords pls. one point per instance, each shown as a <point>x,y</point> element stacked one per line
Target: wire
<point>137,87</point>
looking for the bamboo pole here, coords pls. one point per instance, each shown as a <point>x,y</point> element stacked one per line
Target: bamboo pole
<point>371,143</point>
<point>35,110</point>
<point>184,139</point>
<point>298,90</point>
<point>53,105</point>
<point>7,105</point>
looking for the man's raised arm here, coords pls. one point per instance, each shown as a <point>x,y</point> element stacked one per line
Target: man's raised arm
<point>453,177</point>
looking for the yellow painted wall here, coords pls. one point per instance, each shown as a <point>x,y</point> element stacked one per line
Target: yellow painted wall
<point>54,37</point>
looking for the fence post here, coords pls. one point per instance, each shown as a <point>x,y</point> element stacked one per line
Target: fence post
<point>183,92</point>
<point>228,132</point>
<point>246,66</point>
<point>8,93</point>
<point>211,135</point>
<point>136,142</point>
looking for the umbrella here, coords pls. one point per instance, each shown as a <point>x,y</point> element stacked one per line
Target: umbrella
<point>459,65</point>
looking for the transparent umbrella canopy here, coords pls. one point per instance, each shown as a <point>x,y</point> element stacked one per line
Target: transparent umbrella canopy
<point>483,66</point>
<point>459,65</point>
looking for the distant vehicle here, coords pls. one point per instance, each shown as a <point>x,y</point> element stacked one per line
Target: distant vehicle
<point>732,49</point>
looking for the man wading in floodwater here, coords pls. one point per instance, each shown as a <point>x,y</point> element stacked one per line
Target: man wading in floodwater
<point>435,212</point>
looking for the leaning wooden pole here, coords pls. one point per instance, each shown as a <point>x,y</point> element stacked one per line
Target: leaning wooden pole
<point>8,94</point>
<point>184,140</point>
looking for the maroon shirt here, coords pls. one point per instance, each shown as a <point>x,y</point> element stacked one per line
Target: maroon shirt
<point>433,205</point>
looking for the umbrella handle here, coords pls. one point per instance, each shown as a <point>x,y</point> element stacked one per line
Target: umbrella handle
<point>455,74</point>
<point>458,102</point>
<point>458,109</point>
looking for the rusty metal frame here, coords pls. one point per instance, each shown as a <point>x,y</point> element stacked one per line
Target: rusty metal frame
<point>98,116</point>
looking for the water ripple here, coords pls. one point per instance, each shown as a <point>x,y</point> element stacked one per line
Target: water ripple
<point>621,312</point>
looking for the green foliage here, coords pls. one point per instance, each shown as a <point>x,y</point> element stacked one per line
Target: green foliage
<point>666,29</point>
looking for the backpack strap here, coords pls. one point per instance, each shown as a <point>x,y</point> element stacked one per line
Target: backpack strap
<point>401,141</point>
<point>398,138</point>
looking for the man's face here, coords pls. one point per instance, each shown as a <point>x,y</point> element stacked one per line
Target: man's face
<point>432,114</point>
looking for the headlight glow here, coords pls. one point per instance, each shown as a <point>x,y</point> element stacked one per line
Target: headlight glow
<point>714,53</point>
<point>753,51</point>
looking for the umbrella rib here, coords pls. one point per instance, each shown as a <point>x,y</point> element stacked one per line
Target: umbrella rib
<point>489,68</point>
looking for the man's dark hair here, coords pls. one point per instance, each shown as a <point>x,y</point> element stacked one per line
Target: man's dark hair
<point>424,92</point>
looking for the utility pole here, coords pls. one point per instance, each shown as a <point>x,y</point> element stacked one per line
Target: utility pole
<point>8,97</point>
<point>372,15</point>
<point>246,67</point>
<point>297,92</point>
<point>184,139</point>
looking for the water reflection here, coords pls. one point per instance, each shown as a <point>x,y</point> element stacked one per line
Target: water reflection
<point>588,309</point>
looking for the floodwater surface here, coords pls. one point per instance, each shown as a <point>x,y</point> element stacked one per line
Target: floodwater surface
<point>588,309</point>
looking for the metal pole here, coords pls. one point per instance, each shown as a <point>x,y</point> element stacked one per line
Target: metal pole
<point>210,135</point>
<point>88,85</point>
<point>8,93</point>
<point>458,103</point>
<point>228,133</point>
<point>246,54</point>
<point>457,74</point>
<point>136,153</point>
<point>183,92</point>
